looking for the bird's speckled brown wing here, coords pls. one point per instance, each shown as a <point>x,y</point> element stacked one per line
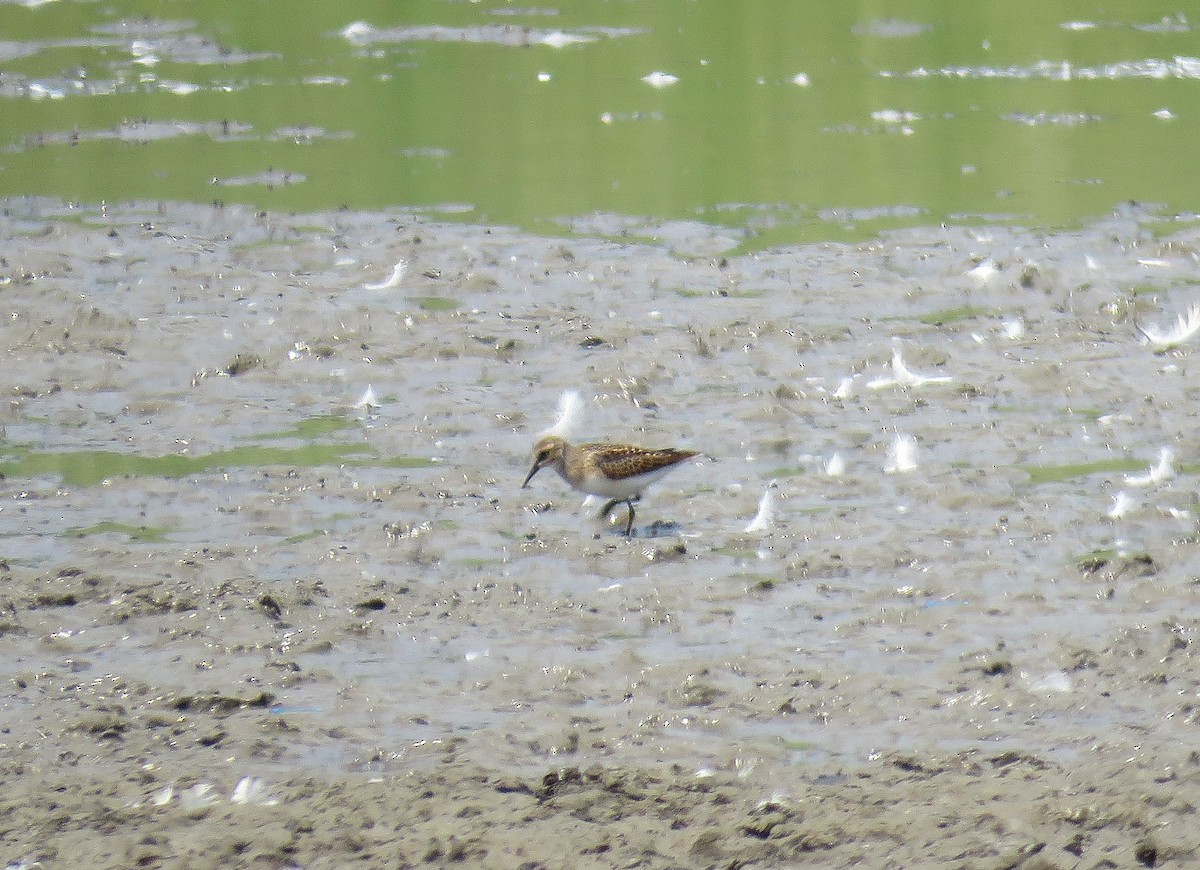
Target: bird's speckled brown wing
<point>624,460</point>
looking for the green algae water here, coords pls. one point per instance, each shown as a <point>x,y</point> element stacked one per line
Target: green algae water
<point>782,121</point>
<point>90,467</point>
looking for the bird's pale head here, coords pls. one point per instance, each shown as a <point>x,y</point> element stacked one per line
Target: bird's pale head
<point>547,453</point>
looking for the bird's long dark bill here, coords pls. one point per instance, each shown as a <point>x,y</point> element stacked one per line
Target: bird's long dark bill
<point>536,468</point>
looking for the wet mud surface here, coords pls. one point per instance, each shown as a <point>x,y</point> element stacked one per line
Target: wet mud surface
<point>248,619</point>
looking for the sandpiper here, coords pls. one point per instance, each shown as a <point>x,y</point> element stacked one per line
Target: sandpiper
<point>619,472</point>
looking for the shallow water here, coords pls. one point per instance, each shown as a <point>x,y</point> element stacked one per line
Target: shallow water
<point>783,122</point>
<point>381,575</point>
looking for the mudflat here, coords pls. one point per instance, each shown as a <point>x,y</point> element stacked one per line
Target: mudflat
<point>928,597</point>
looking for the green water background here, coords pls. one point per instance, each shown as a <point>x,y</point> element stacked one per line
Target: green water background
<point>912,112</point>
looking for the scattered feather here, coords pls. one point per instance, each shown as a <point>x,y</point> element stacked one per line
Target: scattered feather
<point>393,280</point>
<point>1156,474</point>
<point>660,79</point>
<point>902,455</point>
<point>984,272</point>
<point>1110,420</point>
<point>570,410</point>
<point>252,790</point>
<point>836,466</point>
<point>903,376</point>
<point>908,378</point>
<point>1122,504</point>
<point>845,389</point>
<point>201,794</point>
<point>163,797</point>
<point>368,401</point>
<point>764,520</point>
<point>1014,329</point>
<point>1163,339</point>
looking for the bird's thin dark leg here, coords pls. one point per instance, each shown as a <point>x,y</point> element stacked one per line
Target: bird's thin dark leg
<point>608,506</point>
<point>629,525</point>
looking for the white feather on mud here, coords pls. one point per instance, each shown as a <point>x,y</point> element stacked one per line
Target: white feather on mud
<point>1155,474</point>
<point>903,376</point>
<point>1171,337</point>
<point>570,412</point>
<point>764,520</point>
<point>902,455</point>
<point>393,280</point>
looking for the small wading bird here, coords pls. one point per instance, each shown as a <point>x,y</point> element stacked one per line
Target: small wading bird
<point>618,472</point>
